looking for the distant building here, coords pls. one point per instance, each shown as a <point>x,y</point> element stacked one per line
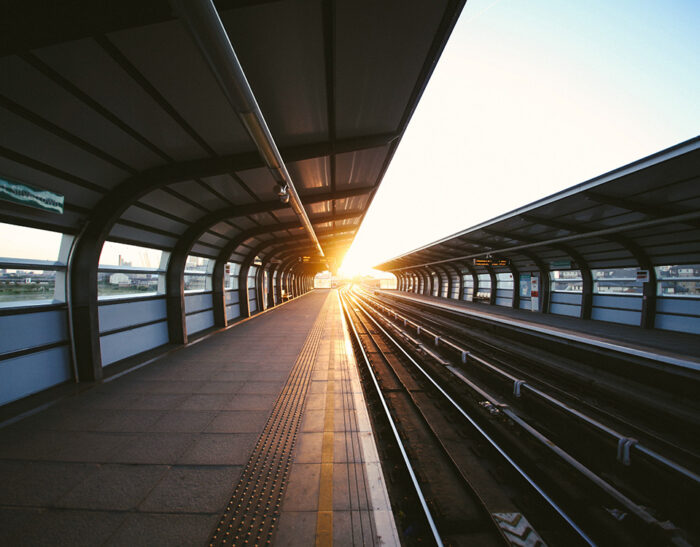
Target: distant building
<point>119,279</point>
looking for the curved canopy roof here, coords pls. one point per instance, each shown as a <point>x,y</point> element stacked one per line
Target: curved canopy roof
<point>113,102</point>
<point>643,214</point>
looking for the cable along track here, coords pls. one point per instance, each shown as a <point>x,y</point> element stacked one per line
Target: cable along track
<point>608,513</point>
<point>451,466</point>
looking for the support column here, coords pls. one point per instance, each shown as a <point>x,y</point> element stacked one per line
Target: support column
<point>494,285</point>
<point>218,296</point>
<point>515,303</point>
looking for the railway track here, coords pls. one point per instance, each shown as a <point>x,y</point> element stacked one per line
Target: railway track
<point>450,464</point>
<point>589,499</point>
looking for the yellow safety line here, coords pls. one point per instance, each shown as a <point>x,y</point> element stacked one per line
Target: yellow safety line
<point>324,520</point>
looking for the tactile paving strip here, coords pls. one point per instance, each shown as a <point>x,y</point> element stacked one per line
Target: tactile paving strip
<point>252,514</point>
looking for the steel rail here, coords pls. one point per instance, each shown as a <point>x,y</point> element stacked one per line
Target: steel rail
<point>624,441</point>
<point>397,437</point>
<point>487,437</point>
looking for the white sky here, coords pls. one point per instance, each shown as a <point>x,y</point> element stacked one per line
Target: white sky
<point>531,97</point>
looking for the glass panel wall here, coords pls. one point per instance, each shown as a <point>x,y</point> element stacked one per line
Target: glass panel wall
<point>484,289</point>
<point>678,281</point>
<point>127,271</point>
<point>231,272</point>
<point>616,281</point>
<point>32,265</point>
<point>568,281</point>
<point>198,270</point>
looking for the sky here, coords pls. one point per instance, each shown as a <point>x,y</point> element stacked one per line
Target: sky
<point>529,98</point>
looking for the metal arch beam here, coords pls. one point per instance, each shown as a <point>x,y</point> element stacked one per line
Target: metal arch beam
<point>460,280</point>
<point>448,280</point>
<point>245,265</point>
<point>283,246</point>
<point>175,274</point>
<point>194,232</point>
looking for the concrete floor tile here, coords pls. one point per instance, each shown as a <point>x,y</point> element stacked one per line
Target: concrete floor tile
<point>114,487</point>
<point>156,530</point>
<point>129,420</point>
<point>250,402</point>
<point>12,521</point>
<point>318,387</point>
<point>193,490</point>
<point>315,401</point>
<point>221,387</point>
<point>205,401</point>
<point>295,529</point>
<point>153,448</point>
<point>349,487</point>
<point>241,421</point>
<point>78,446</point>
<point>40,484</point>
<point>61,418</point>
<point>269,375</point>
<point>176,387</point>
<point>346,448</point>
<point>220,449</point>
<point>308,448</point>
<point>59,528</point>
<point>261,388</point>
<point>184,421</point>
<point>351,528</point>
<point>302,488</point>
<point>313,420</point>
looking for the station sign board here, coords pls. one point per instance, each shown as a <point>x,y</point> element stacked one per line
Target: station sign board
<point>643,276</point>
<point>31,197</point>
<point>560,265</point>
<point>491,262</point>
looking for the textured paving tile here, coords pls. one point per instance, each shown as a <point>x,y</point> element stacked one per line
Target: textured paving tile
<point>192,490</point>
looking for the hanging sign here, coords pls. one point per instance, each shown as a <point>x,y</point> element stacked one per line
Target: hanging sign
<point>31,197</point>
<point>491,262</point>
<point>643,276</point>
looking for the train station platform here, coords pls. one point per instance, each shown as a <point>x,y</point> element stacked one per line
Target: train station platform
<point>674,348</point>
<point>255,434</point>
